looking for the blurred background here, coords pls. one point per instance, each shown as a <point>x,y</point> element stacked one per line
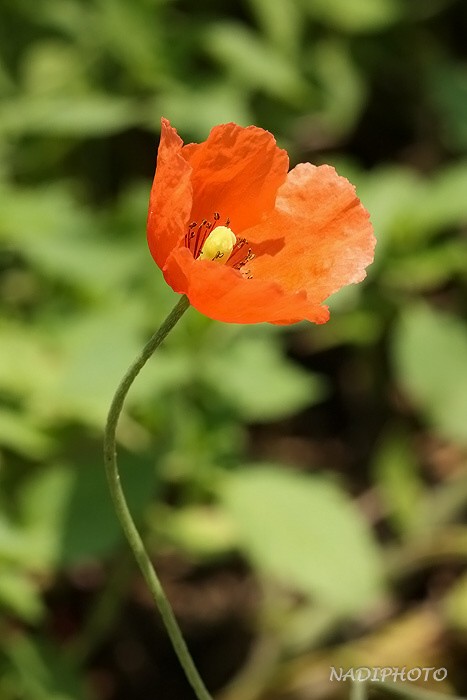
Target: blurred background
<point>303,490</point>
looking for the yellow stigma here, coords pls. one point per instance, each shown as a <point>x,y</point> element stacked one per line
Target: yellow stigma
<point>218,245</point>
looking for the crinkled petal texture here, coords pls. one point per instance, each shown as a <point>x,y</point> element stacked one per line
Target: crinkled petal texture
<point>236,172</point>
<point>318,239</point>
<point>170,200</point>
<point>222,293</point>
<point>308,231</point>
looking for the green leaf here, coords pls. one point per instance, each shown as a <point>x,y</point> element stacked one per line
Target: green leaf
<point>200,531</point>
<point>90,526</point>
<point>390,195</point>
<point>257,64</point>
<point>42,506</point>
<point>43,670</point>
<point>428,268</point>
<point>11,541</point>
<point>343,89</point>
<point>19,595</point>
<point>306,532</point>
<point>96,351</point>
<point>253,376</point>
<point>134,36</point>
<point>281,22</point>
<point>398,480</point>
<point>407,211</point>
<point>61,239</point>
<point>77,116</point>
<point>356,15</point>
<point>26,365</point>
<point>18,433</point>
<point>443,204</point>
<point>447,88</point>
<point>53,68</point>
<point>429,354</point>
<point>66,513</point>
<point>455,605</point>
<point>196,109</point>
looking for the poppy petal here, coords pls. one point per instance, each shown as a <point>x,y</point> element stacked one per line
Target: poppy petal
<point>319,237</point>
<point>236,172</point>
<point>308,231</point>
<point>222,293</point>
<point>171,196</point>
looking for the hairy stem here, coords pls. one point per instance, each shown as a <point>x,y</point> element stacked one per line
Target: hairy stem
<point>123,512</point>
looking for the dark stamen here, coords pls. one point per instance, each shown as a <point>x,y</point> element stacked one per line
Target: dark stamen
<point>196,236</point>
<point>238,257</point>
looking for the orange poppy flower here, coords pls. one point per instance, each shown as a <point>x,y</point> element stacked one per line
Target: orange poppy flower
<point>247,241</point>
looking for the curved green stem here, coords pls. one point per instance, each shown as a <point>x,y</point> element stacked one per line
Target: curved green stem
<point>122,510</point>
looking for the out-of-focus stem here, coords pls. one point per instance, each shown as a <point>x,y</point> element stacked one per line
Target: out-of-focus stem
<point>123,512</point>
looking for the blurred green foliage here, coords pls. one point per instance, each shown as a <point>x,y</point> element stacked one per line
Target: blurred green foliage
<point>224,431</point>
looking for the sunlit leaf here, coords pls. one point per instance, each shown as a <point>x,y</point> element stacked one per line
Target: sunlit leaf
<point>445,205</point>
<point>255,379</point>
<point>26,361</point>
<point>259,65</point>
<point>96,352</point>
<point>390,194</point>
<point>132,34</point>
<point>455,605</point>
<point>195,110</point>
<point>200,531</point>
<point>281,21</point>
<point>19,595</point>
<point>42,505</point>
<point>343,89</point>
<point>53,67</point>
<point>306,532</point>
<point>85,115</point>
<point>15,547</point>
<point>429,354</point>
<point>18,432</point>
<point>356,15</point>
<point>408,210</point>
<point>428,268</point>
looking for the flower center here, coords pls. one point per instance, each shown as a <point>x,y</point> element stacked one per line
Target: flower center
<point>218,245</point>
<point>208,241</point>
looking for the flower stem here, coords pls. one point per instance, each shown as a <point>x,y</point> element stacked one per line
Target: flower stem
<point>123,512</point>
<point>358,691</point>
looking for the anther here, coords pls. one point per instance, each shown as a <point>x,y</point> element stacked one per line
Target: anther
<point>209,241</point>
